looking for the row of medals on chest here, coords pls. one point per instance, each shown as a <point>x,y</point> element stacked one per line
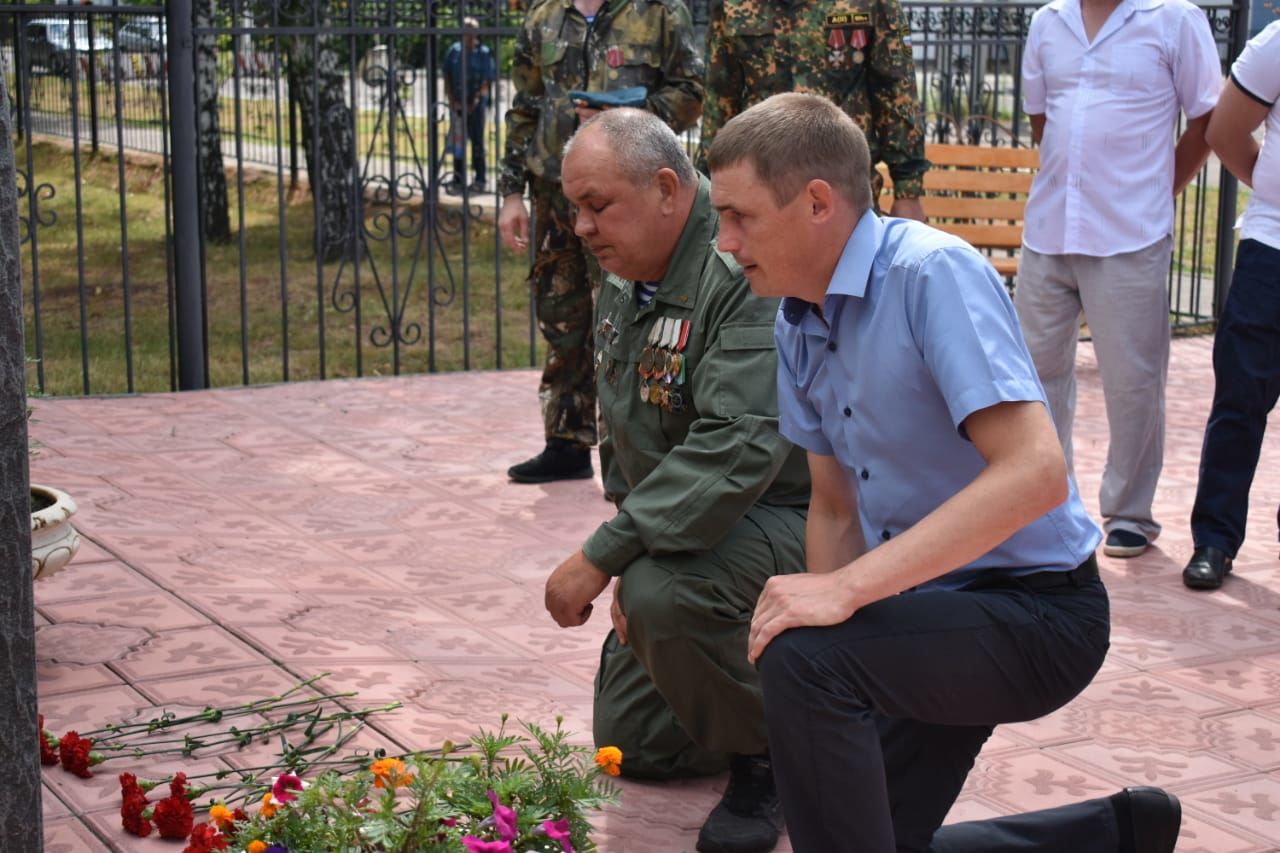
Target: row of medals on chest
<point>662,364</point>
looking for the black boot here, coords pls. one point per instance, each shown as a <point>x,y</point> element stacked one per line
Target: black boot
<point>1206,569</point>
<point>748,817</point>
<point>1149,820</point>
<point>561,460</point>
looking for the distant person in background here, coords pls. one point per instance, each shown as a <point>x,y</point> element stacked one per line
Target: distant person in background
<point>1246,350</point>
<point>1104,81</point>
<point>592,46</point>
<point>468,78</point>
<point>855,52</point>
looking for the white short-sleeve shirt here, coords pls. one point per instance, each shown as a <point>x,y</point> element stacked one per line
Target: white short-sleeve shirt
<point>1105,184</point>
<point>1257,73</point>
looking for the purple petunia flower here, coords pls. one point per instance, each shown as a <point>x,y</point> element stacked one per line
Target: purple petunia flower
<point>558,831</point>
<point>479,845</point>
<point>504,817</point>
<point>277,848</point>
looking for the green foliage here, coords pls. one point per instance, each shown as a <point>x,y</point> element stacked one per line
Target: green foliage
<point>538,774</point>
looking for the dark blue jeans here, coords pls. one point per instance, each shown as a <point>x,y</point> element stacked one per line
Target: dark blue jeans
<point>1246,382</point>
<point>475,135</point>
<point>874,723</point>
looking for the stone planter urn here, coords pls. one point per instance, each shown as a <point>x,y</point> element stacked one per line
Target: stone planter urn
<point>53,540</point>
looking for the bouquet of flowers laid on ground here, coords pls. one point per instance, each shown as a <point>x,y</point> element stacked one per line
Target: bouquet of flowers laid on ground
<point>500,792</point>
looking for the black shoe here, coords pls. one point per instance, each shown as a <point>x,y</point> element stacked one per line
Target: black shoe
<point>1124,543</point>
<point>1206,569</point>
<point>561,460</point>
<point>748,817</point>
<point>453,186</point>
<point>1149,820</point>
<point>477,186</point>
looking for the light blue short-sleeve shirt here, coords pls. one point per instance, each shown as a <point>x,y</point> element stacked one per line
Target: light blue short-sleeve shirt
<point>916,333</point>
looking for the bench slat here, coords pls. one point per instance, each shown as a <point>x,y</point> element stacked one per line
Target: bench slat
<point>962,207</point>
<point>984,156</point>
<point>986,236</point>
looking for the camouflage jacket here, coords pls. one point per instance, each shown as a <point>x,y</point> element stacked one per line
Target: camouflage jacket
<point>646,43</point>
<point>855,52</point>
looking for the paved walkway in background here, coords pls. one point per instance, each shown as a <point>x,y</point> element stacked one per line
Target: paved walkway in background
<point>238,540</point>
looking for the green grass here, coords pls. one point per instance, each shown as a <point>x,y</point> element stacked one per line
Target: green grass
<point>245,289</point>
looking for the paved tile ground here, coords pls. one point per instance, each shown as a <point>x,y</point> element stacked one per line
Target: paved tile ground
<point>238,540</point>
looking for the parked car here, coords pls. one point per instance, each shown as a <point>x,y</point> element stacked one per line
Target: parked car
<point>142,35</point>
<point>49,42</point>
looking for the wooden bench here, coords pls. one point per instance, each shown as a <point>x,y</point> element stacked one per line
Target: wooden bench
<point>978,193</point>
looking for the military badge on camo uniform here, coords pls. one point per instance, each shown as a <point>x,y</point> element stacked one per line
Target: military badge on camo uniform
<point>847,36</point>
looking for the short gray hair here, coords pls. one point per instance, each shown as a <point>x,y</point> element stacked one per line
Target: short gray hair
<point>642,144</point>
<point>791,139</point>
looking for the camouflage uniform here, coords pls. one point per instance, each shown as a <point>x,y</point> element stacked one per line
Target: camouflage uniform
<point>712,502</point>
<point>855,52</point>
<point>646,43</point>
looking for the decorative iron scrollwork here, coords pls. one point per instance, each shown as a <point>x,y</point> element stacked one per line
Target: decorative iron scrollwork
<point>39,218</point>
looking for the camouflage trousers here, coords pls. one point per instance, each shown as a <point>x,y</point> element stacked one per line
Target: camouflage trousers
<point>563,279</point>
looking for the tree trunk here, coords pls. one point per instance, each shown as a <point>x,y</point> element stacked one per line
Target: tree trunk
<point>328,134</point>
<point>215,215</point>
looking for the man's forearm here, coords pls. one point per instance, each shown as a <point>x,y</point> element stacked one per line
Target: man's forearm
<point>1190,154</point>
<point>831,540</point>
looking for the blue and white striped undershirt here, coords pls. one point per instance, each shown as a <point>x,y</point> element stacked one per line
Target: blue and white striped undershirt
<point>645,291</point>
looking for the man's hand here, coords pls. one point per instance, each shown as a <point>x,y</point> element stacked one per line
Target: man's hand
<point>908,208</point>
<point>571,588</point>
<point>615,613</point>
<point>513,222</point>
<point>797,601</point>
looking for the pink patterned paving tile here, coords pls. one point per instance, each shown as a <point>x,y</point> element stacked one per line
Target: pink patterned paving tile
<point>1251,805</point>
<point>1151,691</point>
<point>1200,836</point>
<point>157,611</point>
<point>1240,680</point>
<point>55,678</point>
<point>376,548</point>
<point>425,515</point>
<point>1248,737</point>
<point>51,805</point>
<point>1170,769</point>
<point>88,643</point>
<point>1029,781</point>
<point>497,602</point>
<point>547,638</point>
<point>172,653</point>
<point>89,709</point>
<point>1145,649</point>
<point>188,580</point>
<point>223,689</point>
<point>363,612</point>
<point>967,808</point>
<point>449,641</point>
<point>308,577</point>
<point>257,555</point>
<point>375,682</point>
<point>1067,724</point>
<point>91,552</point>
<point>70,835</point>
<point>519,675</point>
<point>233,607</point>
<point>288,644</point>
<point>88,581</point>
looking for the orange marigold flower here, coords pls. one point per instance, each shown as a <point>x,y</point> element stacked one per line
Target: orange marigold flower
<point>257,847</point>
<point>610,759</point>
<point>268,805</point>
<point>222,816</point>
<point>390,773</point>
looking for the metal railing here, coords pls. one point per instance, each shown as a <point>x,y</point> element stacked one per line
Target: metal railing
<point>219,192</point>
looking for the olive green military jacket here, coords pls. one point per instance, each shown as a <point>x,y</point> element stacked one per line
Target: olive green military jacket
<point>855,52</point>
<point>693,457</point>
<point>648,43</point>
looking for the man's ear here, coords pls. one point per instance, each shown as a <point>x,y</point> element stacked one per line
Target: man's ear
<point>820,198</point>
<point>668,186</point>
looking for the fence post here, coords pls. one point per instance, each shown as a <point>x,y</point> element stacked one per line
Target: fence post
<point>1224,263</point>
<point>21,824</point>
<point>188,256</point>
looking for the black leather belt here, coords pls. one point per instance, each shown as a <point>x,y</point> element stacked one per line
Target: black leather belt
<point>1079,576</point>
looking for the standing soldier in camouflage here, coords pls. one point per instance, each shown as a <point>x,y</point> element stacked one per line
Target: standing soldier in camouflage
<point>594,46</point>
<point>855,52</point>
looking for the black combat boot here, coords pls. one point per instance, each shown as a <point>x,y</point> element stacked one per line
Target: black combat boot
<point>560,460</point>
<point>748,818</point>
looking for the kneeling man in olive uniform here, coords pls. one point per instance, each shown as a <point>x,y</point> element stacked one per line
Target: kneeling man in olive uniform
<point>711,499</point>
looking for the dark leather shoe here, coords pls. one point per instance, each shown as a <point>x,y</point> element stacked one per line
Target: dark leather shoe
<point>561,460</point>
<point>748,818</point>
<point>1206,569</point>
<point>1149,819</point>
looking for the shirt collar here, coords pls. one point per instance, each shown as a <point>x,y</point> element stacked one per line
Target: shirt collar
<point>852,270</point>
<point>1127,5</point>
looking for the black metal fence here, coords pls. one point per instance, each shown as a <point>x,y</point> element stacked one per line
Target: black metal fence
<point>219,192</point>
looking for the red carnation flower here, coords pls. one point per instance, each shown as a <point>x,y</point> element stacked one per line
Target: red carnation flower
<point>205,838</point>
<point>48,756</point>
<point>74,752</point>
<point>134,806</point>
<point>173,814</point>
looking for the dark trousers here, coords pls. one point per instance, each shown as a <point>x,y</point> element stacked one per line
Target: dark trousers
<point>475,135</point>
<point>1246,382</point>
<point>875,723</point>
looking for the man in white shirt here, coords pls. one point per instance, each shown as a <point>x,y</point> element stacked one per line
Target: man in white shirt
<point>1103,82</point>
<point>1246,350</point>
